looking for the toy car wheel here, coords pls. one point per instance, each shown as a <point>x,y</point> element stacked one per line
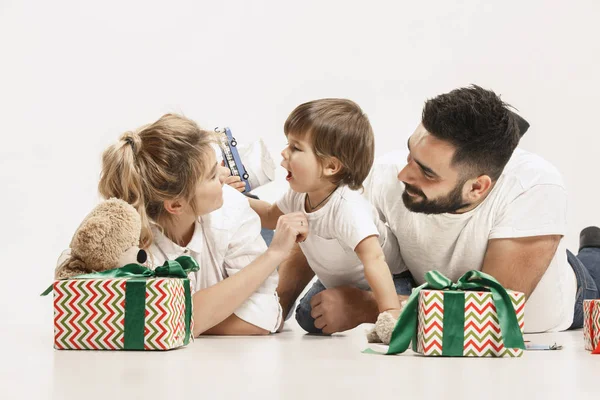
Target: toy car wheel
<point>233,143</point>
<point>245,176</point>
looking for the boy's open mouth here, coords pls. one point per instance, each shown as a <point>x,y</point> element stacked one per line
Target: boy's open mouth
<point>289,176</point>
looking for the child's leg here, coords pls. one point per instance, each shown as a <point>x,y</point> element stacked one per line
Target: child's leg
<point>404,283</point>
<point>305,320</point>
<point>267,235</point>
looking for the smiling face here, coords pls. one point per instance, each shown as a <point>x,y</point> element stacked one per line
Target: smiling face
<point>432,184</point>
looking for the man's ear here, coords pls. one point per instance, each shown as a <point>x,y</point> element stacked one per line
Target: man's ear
<point>478,187</point>
<point>331,166</point>
<point>174,207</point>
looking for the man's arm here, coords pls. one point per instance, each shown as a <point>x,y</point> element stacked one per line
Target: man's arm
<point>519,263</point>
<point>268,213</point>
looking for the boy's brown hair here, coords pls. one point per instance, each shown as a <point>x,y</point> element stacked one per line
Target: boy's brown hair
<point>337,128</point>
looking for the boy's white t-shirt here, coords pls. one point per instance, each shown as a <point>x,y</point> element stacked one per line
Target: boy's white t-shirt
<point>224,242</point>
<point>334,232</point>
<point>529,199</point>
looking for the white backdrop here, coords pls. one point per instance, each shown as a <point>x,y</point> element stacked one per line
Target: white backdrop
<point>74,76</point>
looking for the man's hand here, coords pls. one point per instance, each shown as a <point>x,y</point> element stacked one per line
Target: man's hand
<point>342,308</point>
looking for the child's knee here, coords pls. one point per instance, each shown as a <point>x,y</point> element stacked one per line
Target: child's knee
<point>305,320</point>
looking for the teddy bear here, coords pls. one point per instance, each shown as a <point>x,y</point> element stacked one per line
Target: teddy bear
<point>382,331</point>
<point>107,238</point>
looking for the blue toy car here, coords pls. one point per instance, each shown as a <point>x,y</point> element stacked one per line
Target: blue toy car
<point>231,156</point>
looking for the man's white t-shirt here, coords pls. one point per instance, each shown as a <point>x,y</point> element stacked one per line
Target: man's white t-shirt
<point>529,199</point>
<point>334,232</point>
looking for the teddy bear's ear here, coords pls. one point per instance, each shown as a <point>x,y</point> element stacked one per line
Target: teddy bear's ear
<point>90,234</point>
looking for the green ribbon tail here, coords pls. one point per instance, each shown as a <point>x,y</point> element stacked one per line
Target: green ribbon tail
<point>407,324</point>
<point>48,290</point>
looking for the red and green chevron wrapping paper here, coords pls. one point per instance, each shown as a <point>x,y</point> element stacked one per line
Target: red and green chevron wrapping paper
<point>591,325</point>
<point>89,314</point>
<point>482,334</point>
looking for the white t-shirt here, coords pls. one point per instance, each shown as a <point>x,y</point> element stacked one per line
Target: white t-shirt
<point>223,243</point>
<point>529,199</point>
<point>334,232</point>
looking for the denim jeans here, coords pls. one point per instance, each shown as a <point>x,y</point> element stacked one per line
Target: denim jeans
<point>267,235</point>
<point>404,284</point>
<point>586,266</point>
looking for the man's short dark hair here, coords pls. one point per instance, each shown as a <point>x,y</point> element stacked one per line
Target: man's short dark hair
<point>479,124</point>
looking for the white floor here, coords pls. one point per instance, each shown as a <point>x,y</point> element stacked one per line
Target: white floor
<point>289,365</point>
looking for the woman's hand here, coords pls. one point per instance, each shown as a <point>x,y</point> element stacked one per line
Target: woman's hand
<point>291,228</point>
<point>235,182</point>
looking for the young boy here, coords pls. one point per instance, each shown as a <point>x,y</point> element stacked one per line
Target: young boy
<point>329,154</point>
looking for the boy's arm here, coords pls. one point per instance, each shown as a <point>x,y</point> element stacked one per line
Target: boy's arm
<point>378,275</point>
<point>268,213</point>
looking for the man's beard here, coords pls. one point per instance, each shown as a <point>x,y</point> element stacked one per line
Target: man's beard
<point>450,203</point>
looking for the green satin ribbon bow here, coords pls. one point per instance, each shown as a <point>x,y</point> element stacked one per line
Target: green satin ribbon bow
<point>406,327</point>
<point>135,294</point>
<point>178,268</point>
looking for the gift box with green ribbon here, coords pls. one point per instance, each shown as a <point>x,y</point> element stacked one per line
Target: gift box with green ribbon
<point>128,308</point>
<point>474,317</point>
<point>591,325</point>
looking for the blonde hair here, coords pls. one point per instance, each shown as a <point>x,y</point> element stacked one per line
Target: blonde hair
<point>161,161</point>
<point>337,128</point>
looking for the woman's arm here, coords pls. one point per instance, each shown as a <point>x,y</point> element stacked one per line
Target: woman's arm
<point>217,303</point>
<point>235,326</point>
